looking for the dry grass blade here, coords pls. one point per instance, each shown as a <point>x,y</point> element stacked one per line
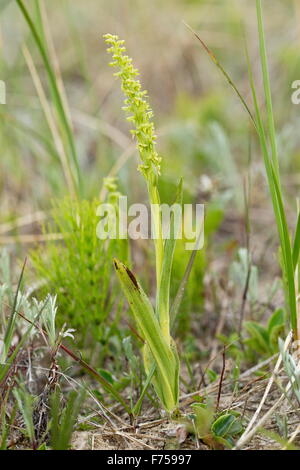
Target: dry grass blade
<point>56,94</point>
<point>223,71</point>
<point>50,120</point>
<point>250,431</point>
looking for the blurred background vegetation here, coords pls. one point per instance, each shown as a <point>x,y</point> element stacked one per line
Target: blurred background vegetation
<point>203,133</point>
<point>202,129</point>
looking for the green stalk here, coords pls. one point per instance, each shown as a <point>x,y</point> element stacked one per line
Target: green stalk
<point>296,244</point>
<point>267,86</point>
<point>58,102</point>
<point>158,240</point>
<point>10,327</point>
<point>290,256</point>
<point>160,355</point>
<point>156,348</point>
<point>278,208</point>
<point>272,169</point>
<point>165,280</point>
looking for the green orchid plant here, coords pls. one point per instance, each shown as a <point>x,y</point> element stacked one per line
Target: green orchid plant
<point>159,352</point>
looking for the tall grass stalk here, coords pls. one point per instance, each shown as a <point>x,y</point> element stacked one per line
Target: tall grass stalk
<point>272,169</point>
<point>51,122</point>
<point>37,31</point>
<point>267,139</point>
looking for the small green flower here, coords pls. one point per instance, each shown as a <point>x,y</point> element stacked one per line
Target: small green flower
<point>137,106</point>
<point>110,183</point>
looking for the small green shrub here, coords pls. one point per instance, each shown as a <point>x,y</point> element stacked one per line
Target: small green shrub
<point>78,268</point>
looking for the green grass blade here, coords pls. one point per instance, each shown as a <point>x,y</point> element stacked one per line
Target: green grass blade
<point>148,325</point>
<point>225,73</point>
<point>101,380</point>
<point>271,164</point>
<point>267,86</point>
<point>12,320</point>
<point>164,288</point>
<point>26,403</point>
<point>63,421</point>
<point>289,265</point>
<point>296,244</point>
<point>137,408</point>
<point>31,133</point>
<point>4,367</point>
<point>58,102</point>
<point>181,290</point>
<point>278,207</point>
<point>158,240</point>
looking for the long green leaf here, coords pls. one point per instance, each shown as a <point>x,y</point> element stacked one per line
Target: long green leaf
<point>4,368</point>
<point>137,408</point>
<point>296,244</point>
<point>278,207</point>
<point>181,289</point>
<point>164,288</point>
<point>267,86</point>
<point>225,73</point>
<point>271,164</point>
<point>12,319</point>
<point>65,126</point>
<point>289,267</point>
<point>148,324</point>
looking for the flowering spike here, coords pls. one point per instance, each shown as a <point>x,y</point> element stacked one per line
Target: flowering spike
<point>137,106</point>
